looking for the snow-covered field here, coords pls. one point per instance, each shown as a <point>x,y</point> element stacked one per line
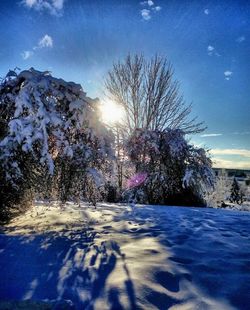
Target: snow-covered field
<point>112,257</point>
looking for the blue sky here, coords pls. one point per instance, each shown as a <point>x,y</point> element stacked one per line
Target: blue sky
<point>207,42</point>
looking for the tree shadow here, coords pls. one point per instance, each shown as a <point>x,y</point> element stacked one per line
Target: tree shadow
<point>114,300</point>
<point>75,265</point>
<point>208,248</point>
<point>53,267</point>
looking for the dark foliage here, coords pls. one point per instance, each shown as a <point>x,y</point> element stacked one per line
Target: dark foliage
<point>177,173</point>
<point>236,193</point>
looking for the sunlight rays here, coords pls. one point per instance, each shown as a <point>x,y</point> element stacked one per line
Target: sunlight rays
<point>111,113</point>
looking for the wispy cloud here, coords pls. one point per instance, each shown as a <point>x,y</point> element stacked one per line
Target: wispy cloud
<point>240,39</point>
<point>239,133</point>
<point>206,11</point>
<point>147,3</point>
<point>45,42</point>
<point>239,152</point>
<point>156,8</point>
<point>228,74</point>
<point>150,8</point>
<point>26,54</point>
<point>242,133</point>
<point>243,163</point>
<point>54,7</point>
<point>210,48</point>
<point>230,164</point>
<point>211,51</point>
<point>146,14</point>
<point>211,135</point>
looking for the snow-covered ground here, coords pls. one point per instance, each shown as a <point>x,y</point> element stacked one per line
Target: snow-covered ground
<point>112,257</point>
<point>245,206</point>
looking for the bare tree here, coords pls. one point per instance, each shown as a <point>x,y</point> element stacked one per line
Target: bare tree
<point>149,95</point>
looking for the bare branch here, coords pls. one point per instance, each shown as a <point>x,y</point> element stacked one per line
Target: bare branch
<point>149,95</point>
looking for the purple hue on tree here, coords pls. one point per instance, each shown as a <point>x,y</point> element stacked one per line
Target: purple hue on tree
<point>137,179</point>
<point>177,172</point>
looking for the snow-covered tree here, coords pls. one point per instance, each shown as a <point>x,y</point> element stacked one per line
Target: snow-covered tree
<point>221,192</point>
<point>236,194</point>
<point>50,125</point>
<point>177,171</point>
<point>151,99</point>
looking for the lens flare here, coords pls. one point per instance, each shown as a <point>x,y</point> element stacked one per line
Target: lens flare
<point>137,179</point>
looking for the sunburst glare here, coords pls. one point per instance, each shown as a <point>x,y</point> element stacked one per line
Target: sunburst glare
<point>111,112</point>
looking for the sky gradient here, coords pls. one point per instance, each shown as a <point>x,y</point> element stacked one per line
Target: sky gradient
<point>207,42</point>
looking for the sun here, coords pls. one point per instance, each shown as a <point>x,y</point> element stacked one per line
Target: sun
<point>111,112</point>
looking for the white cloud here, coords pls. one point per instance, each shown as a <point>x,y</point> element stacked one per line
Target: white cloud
<point>58,4</point>
<point>211,135</point>
<point>242,133</point>
<point>240,152</point>
<point>45,41</point>
<point>244,163</point>
<point>210,48</point>
<point>150,7</point>
<point>30,3</point>
<point>228,74</point>
<point>211,51</point>
<point>146,14</point>
<point>26,54</point>
<point>240,39</point>
<point>147,3</point>
<point>206,11</point>
<point>230,164</point>
<point>54,7</point>
<point>157,8</point>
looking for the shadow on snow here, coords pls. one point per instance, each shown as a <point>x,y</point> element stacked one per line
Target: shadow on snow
<point>70,265</point>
